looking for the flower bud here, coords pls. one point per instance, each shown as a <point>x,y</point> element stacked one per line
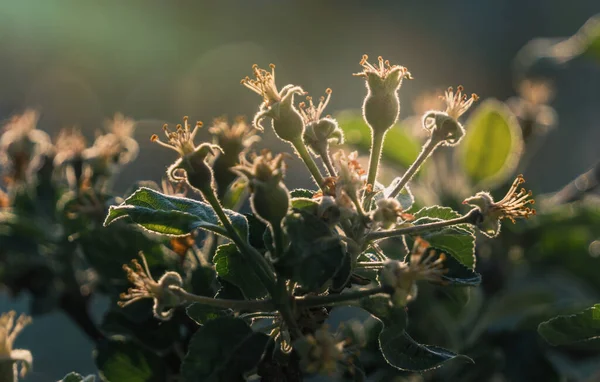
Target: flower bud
<point>444,127</point>
<point>277,104</point>
<point>319,131</point>
<point>514,205</point>
<point>191,166</point>
<point>270,199</point>
<point>387,213</point>
<point>320,353</point>
<point>382,105</point>
<point>145,287</point>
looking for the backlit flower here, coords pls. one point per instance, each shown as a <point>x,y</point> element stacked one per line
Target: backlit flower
<point>9,330</point>
<point>514,205</point>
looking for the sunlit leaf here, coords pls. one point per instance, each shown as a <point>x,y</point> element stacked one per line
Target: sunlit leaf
<point>172,215</point>
<point>399,147</point>
<point>233,267</point>
<point>569,329</point>
<point>119,360</point>
<point>492,145</point>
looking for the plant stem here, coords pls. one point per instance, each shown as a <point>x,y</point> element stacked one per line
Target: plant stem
<point>376,147</point>
<point>428,148</point>
<point>370,264</point>
<point>285,309</point>
<point>308,161</point>
<point>335,299</point>
<point>277,239</point>
<point>247,305</point>
<point>326,158</point>
<point>470,218</point>
<point>256,260</point>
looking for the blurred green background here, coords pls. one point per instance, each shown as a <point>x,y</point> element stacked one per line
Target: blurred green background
<point>79,62</point>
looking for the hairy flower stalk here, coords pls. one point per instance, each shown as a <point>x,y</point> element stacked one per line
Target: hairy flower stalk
<point>444,129</point>
<point>10,358</point>
<point>285,118</point>
<point>320,132</point>
<point>144,287</point>
<point>381,106</point>
<point>402,277</point>
<point>514,205</point>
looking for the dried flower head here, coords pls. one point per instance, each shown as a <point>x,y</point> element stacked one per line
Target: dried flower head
<point>144,286</point>
<point>9,330</point>
<point>351,175</point>
<point>69,145</point>
<point>234,139</point>
<point>383,75</point>
<point>270,199</point>
<point>23,146</point>
<point>514,205</point>
<point>387,212</point>
<point>191,166</point>
<point>320,131</point>
<point>444,126</point>
<point>458,103</point>
<point>531,107</point>
<point>277,104</point>
<point>381,106</point>
<point>181,140</point>
<point>321,352</point>
<point>401,277</point>
<point>121,126</point>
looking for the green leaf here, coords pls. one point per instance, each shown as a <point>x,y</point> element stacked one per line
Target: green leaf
<point>301,193</point>
<point>151,333</point>
<point>235,194</point>
<point>202,313</point>
<point>231,265</point>
<point>457,241</point>
<point>119,360</point>
<point>399,146</point>
<point>76,377</point>
<point>492,146</point>
<point>224,349</point>
<point>404,353</point>
<point>315,254</point>
<point>575,328</point>
<point>305,204</point>
<point>172,215</point>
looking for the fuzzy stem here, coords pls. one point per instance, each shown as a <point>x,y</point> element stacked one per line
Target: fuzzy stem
<point>376,147</point>
<point>285,309</point>
<point>336,299</point>
<point>428,148</point>
<point>308,161</point>
<point>370,264</point>
<point>326,158</point>
<point>278,241</point>
<point>470,218</point>
<point>237,305</point>
<point>256,260</point>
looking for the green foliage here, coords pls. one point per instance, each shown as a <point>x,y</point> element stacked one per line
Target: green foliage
<point>570,329</point>
<point>233,267</point>
<point>224,349</point>
<point>170,215</point>
<point>121,360</point>
<point>492,146</point>
<point>400,148</point>
<point>75,377</point>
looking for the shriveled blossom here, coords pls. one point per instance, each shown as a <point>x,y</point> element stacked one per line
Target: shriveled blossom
<point>22,146</point>
<point>382,75</point>
<point>144,287</point>
<point>235,138</point>
<point>277,104</point>
<point>115,148</point>
<point>191,165</point>
<point>401,277</point>
<point>445,126</point>
<point>514,205</point>
<point>351,176</point>
<point>531,107</point>
<point>9,357</point>
<point>320,353</point>
<point>270,197</point>
<point>387,213</point>
<point>320,131</point>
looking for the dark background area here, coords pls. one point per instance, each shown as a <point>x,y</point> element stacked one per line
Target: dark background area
<point>79,62</point>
